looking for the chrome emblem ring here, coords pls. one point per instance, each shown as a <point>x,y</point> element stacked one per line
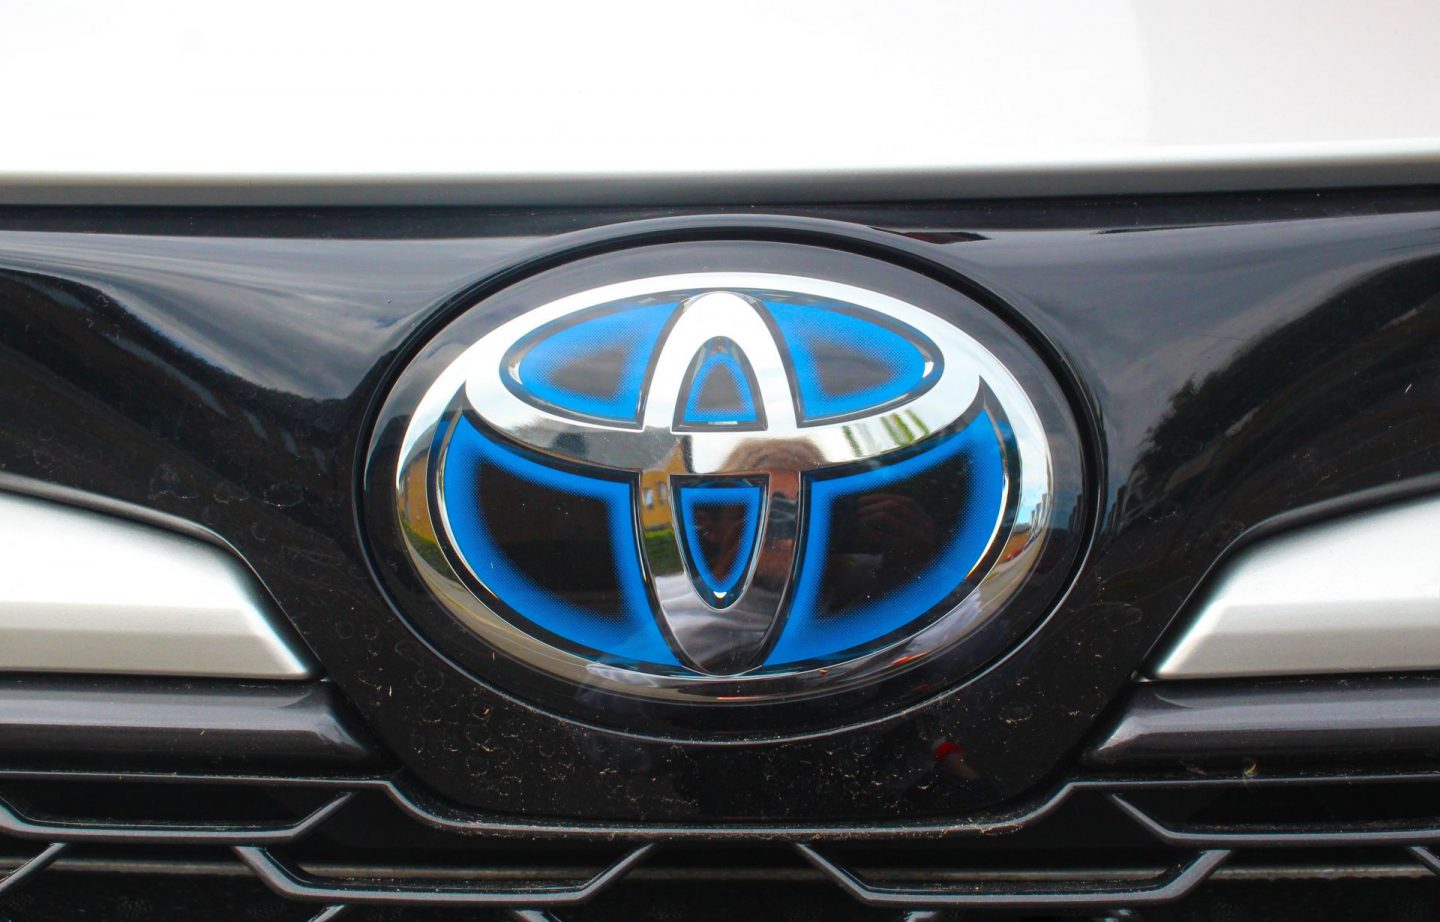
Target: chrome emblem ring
<point>728,426</point>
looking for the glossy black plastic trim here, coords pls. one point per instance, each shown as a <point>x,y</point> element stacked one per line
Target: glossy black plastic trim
<point>1175,883</point>
<point>1232,360</point>
<point>1267,835</point>
<point>288,882</point>
<point>15,823</point>
<point>12,881</point>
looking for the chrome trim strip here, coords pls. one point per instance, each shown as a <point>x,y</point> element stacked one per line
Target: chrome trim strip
<point>177,722</point>
<point>1357,594</point>
<point>1226,722</point>
<point>82,591</point>
<point>1210,168</point>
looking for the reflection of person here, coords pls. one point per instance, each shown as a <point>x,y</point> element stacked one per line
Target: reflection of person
<point>721,527</point>
<point>877,540</point>
<point>894,525</point>
<point>789,456</point>
<point>781,461</point>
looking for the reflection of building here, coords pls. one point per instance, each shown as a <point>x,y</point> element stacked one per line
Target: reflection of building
<point>655,492</point>
<point>1021,532</point>
<point>415,499</point>
<point>1019,537</point>
<point>654,500</point>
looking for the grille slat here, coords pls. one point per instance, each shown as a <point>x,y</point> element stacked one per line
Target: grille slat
<point>1090,843</point>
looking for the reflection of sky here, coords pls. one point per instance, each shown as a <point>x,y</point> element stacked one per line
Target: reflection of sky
<point>304,317</point>
<point>1076,281</point>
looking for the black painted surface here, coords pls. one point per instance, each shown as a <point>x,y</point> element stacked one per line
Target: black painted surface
<point>1283,365</point>
<point>177,723</point>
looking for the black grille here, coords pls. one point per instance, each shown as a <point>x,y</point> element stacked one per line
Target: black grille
<point>326,846</point>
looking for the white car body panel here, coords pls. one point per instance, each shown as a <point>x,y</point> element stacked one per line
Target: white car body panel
<point>512,103</point>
